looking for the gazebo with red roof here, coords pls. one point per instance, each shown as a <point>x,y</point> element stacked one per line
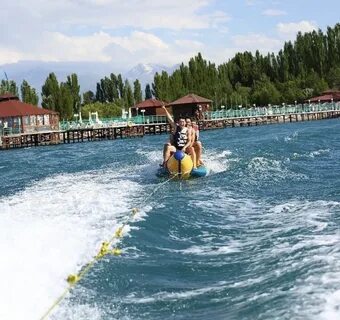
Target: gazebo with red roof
<point>327,96</point>
<point>150,106</point>
<point>191,105</point>
<point>24,117</point>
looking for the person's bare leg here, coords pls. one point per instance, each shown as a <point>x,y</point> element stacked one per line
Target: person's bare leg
<point>167,149</point>
<point>198,150</point>
<point>166,153</point>
<point>192,153</point>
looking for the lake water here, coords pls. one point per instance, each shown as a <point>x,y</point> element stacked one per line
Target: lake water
<point>258,238</point>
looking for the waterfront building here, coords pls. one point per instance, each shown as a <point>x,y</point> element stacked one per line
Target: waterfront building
<point>191,105</point>
<point>149,107</point>
<point>327,96</point>
<point>19,117</point>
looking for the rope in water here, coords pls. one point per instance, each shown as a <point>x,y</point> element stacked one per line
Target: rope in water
<point>105,249</point>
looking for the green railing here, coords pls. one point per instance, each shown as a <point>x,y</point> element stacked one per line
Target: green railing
<point>271,110</point>
<point>112,122</point>
<point>235,112</point>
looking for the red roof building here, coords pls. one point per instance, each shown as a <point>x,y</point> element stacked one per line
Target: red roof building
<point>327,96</point>
<point>149,107</point>
<point>18,116</point>
<point>190,106</point>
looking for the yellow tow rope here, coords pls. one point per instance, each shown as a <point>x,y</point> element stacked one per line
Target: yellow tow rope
<point>105,249</point>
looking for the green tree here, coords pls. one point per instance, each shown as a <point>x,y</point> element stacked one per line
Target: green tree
<point>128,94</point>
<point>105,110</point>
<point>28,94</point>
<point>304,67</point>
<point>9,86</point>
<point>291,91</point>
<point>148,92</point>
<point>176,87</point>
<point>65,102</point>
<point>88,97</point>
<point>99,93</point>
<point>265,92</point>
<point>50,93</point>
<point>120,86</point>
<point>137,91</point>
<point>115,90</point>
<point>73,85</point>
<point>333,78</point>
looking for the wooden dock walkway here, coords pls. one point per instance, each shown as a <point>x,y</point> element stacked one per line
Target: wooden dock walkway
<point>77,135</point>
<point>25,140</point>
<point>268,119</point>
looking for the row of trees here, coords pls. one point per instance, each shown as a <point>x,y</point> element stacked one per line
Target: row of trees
<point>28,94</point>
<point>302,69</point>
<point>64,97</point>
<point>111,96</point>
<point>113,93</point>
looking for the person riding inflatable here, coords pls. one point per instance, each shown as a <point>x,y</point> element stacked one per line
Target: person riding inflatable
<point>196,144</point>
<point>180,140</point>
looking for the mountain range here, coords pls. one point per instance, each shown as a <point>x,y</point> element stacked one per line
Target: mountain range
<point>89,73</point>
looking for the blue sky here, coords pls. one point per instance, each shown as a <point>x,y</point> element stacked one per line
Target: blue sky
<point>150,31</point>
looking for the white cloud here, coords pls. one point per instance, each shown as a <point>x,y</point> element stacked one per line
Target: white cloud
<point>274,12</point>
<point>218,18</point>
<point>289,30</point>
<point>147,14</point>
<point>128,32</point>
<point>252,42</point>
<point>251,3</point>
<point>241,43</point>
<point>219,55</point>
<point>9,56</point>
<point>189,44</point>
<point>56,46</point>
<point>137,47</point>
<point>94,30</point>
<point>59,47</point>
<point>140,41</point>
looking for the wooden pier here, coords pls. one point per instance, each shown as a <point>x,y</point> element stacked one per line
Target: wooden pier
<point>77,135</point>
<point>96,134</point>
<point>267,119</point>
<point>25,140</point>
<point>112,133</point>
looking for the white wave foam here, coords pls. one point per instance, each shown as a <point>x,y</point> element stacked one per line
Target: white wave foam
<point>154,156</point>
<point>217,161</point>
<point>174,296</point>
<point>271,169</point>
<point>331,307</point>
<point>316,249</point>
<point>77,312</point>
<point>209,250</point>
<point>319,152</point>
<point>304,235</point>
<point>311,154</point>
<point>225,203</point>
<point>291,137</point>
<point>50,230</point>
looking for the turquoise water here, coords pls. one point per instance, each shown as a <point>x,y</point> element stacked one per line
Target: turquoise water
<point>258,238</point>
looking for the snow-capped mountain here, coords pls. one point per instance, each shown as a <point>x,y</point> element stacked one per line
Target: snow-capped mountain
<point>145,72</point>
<point>89,73</point>
<point>36,72</point>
